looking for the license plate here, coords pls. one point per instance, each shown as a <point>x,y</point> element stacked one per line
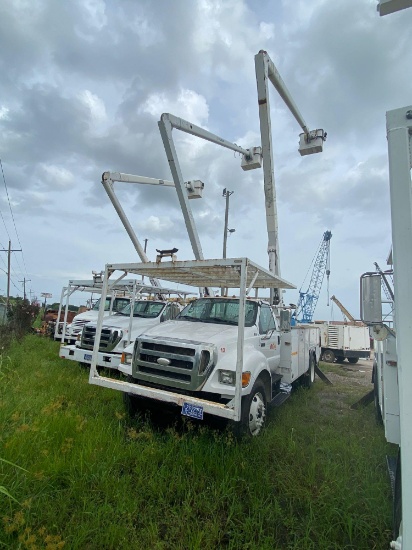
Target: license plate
<point>194,411</point>
<point>87,357</point>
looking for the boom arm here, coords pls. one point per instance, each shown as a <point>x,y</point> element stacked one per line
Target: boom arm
<point>251,158</point>
<point>343,309</point>
<point>311,143</point>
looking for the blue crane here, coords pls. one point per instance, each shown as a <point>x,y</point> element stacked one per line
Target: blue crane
<point>308,300</point>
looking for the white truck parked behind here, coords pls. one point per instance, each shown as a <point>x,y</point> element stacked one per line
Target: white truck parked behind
<point>118,298</point>
<point>222,356</point>
<point>120,329</point>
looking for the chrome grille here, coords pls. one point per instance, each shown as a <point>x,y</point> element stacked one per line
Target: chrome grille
<point>109,338</point>
<point>189,362</point>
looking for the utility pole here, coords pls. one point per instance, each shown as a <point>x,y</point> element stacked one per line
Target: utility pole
<point>226,230</point>
<point>24,281</point>
<point>9,251</point>
<point>226,194</point>
<point>45,295</point>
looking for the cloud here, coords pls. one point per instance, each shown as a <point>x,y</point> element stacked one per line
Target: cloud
<point>85,82</point>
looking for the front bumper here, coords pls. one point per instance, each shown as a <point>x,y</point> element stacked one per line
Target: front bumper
<point>106,360</point>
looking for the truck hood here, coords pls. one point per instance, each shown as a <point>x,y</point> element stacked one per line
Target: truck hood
<point>218,334</point>
<point>86,316</point>
<point>123,321</point>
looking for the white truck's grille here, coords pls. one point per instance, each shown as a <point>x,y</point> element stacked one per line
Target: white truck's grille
<point>176,363</point>
<point>109,339</point>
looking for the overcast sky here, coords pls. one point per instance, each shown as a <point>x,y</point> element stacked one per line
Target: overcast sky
<point>83,84</point>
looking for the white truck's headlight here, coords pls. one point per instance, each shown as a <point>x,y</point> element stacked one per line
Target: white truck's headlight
<point>227,377</point>
<point>126,358</point>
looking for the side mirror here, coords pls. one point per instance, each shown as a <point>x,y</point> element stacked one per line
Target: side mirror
<point>370,298</point>
<point>162,318</point>
<point>285,320</point>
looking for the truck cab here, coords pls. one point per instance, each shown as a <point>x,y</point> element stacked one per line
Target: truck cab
<point>74,329</point>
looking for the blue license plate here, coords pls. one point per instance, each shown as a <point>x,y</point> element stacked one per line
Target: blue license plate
<point>87,357</point>
<point>194,411</point>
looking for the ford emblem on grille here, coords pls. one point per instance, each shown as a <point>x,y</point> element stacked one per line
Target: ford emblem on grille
<point>163,361</point>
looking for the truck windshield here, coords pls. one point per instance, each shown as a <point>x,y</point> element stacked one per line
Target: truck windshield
<point>144,308</point>
<point>215,310</point>
<point>118,305</point>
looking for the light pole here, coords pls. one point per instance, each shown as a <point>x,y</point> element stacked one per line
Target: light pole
<point>226,230</point>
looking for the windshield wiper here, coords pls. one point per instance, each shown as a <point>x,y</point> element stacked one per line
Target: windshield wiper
<point>216,320</point>
<point>189,318</point>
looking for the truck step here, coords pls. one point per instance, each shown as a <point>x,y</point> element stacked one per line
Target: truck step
<point>279,399</point>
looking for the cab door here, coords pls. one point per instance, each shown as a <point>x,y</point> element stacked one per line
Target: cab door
<point>269,338</point>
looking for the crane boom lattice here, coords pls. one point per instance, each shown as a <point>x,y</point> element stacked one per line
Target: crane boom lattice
<point>308,300</point>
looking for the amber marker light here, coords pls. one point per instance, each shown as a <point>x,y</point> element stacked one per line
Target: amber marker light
<point>246,379</point>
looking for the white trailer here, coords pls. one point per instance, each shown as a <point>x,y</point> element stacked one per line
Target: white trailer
<point>221,356</point>
<point>343,341</point>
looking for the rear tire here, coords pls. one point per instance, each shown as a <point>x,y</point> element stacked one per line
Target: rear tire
<point>353,360</point>
<point>253,414</point>
<point>328,356</point>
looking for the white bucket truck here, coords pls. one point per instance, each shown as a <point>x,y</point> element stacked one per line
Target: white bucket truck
<point>117,300</point>
<point>206,373</point>
<point>143,309</point>
<point>221,356</point>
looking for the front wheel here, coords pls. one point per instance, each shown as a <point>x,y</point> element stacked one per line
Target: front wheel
<point>133,404</point>
<point>353,360</point>
<point>328,356</point>
<point>253,413</point>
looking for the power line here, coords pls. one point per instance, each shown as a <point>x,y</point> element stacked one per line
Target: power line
<point>12,215</point>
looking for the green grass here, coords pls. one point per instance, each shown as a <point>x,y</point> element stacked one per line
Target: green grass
<point>315,479</point>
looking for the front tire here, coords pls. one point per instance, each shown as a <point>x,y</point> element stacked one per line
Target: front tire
<point>328,356</point>
<point>353,360</point>
<point>253,414</point>
<point>133,404</point>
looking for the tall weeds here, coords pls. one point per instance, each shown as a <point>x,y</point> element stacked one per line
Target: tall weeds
<point>316,479</point>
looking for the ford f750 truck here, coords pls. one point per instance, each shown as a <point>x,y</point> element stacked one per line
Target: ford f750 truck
<point>221,356</point>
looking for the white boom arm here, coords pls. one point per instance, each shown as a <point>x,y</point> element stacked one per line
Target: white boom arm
<point>310,142</point>
<point>251,159</point>
<point>193,189</point>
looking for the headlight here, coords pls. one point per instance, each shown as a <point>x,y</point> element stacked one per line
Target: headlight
<point>204,361</point>
<point>126,358</point>
<point>227,377</point>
